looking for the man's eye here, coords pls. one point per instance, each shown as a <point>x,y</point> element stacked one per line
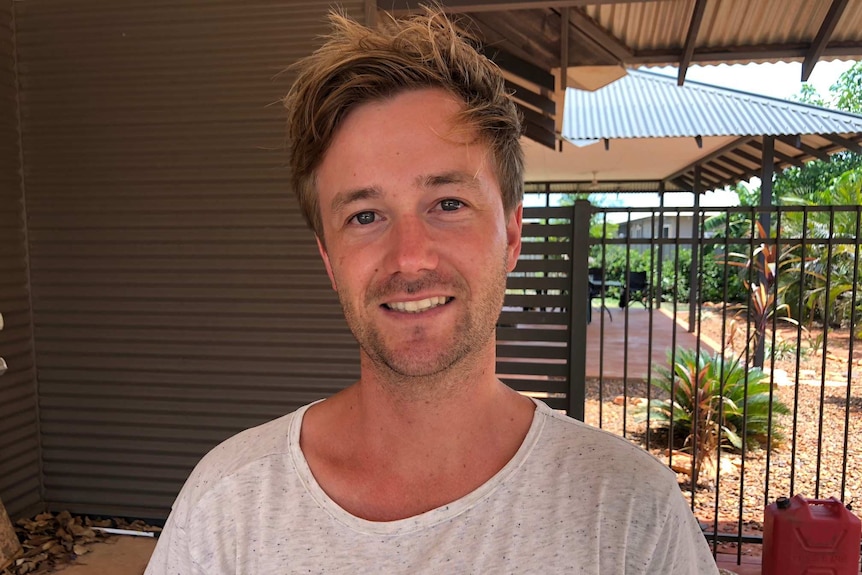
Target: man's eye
<point>451,205</point>
<point>364,218</point>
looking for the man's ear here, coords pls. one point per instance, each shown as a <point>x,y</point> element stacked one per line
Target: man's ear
<point>513,235</point>
<point>325,256</point>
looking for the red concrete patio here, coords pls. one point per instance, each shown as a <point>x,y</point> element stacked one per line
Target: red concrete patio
<point>618,346</point>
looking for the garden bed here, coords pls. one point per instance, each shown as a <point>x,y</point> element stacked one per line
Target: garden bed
<point>812,452</point>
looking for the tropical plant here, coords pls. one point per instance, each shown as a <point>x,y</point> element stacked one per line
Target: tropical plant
<point>838,261</point>
<point>712,401</point>
<point>760,277</point>
<point>675,279</point>
<point>821,183</point>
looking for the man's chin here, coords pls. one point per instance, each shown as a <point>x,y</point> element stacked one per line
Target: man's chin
<point>413,362</point>
<point>417,368</point>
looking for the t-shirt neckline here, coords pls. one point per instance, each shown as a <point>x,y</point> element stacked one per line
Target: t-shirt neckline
<point>423,520</point>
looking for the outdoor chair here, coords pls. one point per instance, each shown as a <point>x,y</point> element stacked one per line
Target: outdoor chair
<point>597,289</point>
<point>636,289</point>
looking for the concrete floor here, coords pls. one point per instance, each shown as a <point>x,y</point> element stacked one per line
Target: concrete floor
<point>121,555</point>
<point>627,334</point>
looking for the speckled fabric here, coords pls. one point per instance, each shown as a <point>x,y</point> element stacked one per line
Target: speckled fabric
<point>574,499</point>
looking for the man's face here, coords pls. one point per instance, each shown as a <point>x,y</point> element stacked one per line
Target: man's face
<point>417,242</point>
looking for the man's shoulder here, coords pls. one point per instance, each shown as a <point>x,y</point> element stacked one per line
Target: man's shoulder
<point>251,444</point>
<point>584,445</point>
<point>238,454</point>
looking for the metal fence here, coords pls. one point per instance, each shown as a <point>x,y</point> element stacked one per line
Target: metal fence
<point>749,319</point>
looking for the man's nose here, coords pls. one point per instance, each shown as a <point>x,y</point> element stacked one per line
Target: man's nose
<point>411,248</point>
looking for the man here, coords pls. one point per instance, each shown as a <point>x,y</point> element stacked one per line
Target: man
<point>407,166</point>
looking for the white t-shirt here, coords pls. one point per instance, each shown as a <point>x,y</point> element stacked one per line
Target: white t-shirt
<point>573,499</point>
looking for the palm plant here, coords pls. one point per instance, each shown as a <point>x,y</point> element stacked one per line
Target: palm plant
<point>714,402</point>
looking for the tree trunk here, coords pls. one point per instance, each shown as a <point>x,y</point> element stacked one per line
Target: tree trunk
<point>10,547</point>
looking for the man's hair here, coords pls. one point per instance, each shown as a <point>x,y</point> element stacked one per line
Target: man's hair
<point>357,65</point>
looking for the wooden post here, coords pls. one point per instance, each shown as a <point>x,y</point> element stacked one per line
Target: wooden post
<point>10,547</point>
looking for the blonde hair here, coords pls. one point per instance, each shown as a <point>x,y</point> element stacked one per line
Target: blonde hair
<point>357,65</point>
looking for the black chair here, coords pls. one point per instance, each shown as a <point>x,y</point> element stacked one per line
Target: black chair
<point>636,289</point>
<point>597,289</point>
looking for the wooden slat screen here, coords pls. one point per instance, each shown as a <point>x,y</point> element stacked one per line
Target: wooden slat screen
<point>533,331</point>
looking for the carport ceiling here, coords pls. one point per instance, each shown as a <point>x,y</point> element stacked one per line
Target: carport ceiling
<point>532,40</point>
<point>633,33</point>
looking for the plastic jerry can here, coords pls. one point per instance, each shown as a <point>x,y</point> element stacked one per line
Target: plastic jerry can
<point>810,537</point>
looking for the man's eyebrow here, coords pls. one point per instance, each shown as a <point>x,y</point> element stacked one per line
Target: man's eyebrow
<point>343,199</point>
<point>447,178</point>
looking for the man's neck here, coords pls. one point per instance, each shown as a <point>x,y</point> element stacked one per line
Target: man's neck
<point>412,452</point>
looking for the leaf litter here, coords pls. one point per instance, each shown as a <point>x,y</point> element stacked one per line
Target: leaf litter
<point>50,540</point>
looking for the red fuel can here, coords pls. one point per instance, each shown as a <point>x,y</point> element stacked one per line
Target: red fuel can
<point>810,537</point>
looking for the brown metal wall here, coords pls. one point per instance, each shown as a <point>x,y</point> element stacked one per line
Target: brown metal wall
<point>177,295</point>
<point>19,442</point>
<point>533,334</point>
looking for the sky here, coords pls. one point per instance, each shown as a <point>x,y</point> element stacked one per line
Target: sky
<point>779,80</point>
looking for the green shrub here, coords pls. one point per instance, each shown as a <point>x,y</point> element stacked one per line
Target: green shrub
<point>716,401</point>
<point>675,281</point>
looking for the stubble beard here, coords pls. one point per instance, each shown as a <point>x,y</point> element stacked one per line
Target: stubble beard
<point>435,369</point>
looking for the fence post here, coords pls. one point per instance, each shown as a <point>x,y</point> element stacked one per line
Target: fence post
<point>766,172</point>
<point>694,275</point>
<point>579,259</point>
<point>661,247</point>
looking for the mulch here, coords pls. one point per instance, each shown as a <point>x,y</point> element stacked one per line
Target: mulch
<point>819,457</point>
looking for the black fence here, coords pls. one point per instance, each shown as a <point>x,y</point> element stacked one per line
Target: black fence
<point>740,364</point>
<point>749,318</point>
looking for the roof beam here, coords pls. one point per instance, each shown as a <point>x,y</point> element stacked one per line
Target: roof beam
<point>710,173</point>
<point>681,182</point>
<point>749,158</point>
<point>822,38</point>
<point>607,41</point>
<point>533,117</point>
<point>798,162</point>
<point>744,53</point>
<point>742,168</point>
<point>522,68</point>
<point>564,48</point>
<point>538,130</point>
<point>690,40</point>
<point>799,145</point>
<point>711,156</point>
<point>720,170</point>
<point>844,142</point>
<point>543,103</point>
<point>474,6</point>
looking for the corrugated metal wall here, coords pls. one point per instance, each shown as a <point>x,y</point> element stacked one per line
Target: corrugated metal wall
<point>19,438</point>
<point>177,295</point>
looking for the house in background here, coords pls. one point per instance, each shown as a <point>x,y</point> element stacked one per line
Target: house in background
<point>643,227</point>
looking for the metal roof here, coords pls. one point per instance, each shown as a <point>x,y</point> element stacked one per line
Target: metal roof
<point>657,32</point>
<point>655,134</point>
<point>648,105</point>
<point>534,39</point>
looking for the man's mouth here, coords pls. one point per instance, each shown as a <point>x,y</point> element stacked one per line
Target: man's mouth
<point>418,306</point>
